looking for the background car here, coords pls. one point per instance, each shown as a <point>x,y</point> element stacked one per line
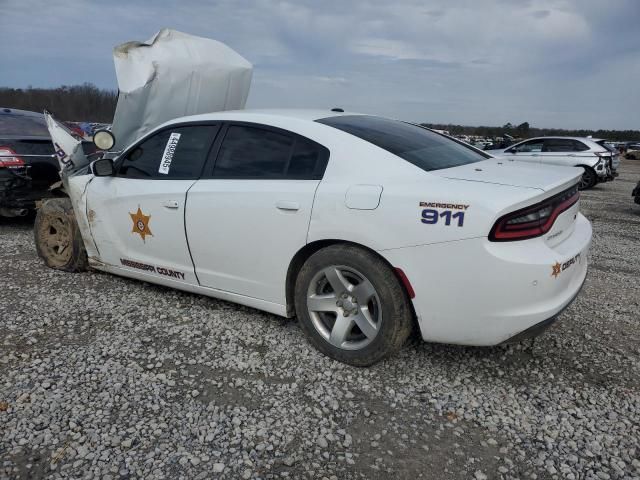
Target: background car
<point>632,151</point>
<point>593,157</point>
<point>28,166</point>
<point>27,162</point>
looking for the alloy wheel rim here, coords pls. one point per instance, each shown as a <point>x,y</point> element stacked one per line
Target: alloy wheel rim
<point>344,307</point>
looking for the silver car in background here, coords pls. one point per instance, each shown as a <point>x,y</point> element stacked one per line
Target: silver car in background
<point>599,162</point>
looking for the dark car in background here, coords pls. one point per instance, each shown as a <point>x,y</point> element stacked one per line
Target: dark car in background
<point>28,166</point>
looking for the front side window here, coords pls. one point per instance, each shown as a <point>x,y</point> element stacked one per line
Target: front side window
<point>532,146</point>
<point>249,152</point>
<point>419,146</point>
<point>173,153</point>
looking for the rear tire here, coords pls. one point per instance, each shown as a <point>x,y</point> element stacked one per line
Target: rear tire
<point>57,236</point>
<point>363,293</point>
<point>589,178</point>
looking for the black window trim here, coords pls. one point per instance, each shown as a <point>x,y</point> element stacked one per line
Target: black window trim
<point>207,123</point>
<point>214,152</point>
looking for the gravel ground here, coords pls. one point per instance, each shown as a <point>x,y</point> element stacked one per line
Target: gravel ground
<point>103,377</point>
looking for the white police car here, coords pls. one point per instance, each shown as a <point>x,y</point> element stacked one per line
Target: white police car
<point>363,227</point>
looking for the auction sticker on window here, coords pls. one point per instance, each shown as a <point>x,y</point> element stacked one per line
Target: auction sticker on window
<point>169,150</point>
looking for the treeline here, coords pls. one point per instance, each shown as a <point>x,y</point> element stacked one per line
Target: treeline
<point>77,103</point>
<point>524,130</point>
<point>91,104</point>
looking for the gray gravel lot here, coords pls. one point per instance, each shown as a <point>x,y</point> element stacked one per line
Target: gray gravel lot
<point>103,377</point>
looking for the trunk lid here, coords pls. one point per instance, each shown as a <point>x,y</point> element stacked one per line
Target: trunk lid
<point>547,178</point>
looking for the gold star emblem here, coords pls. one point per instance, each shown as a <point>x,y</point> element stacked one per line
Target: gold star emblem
<point>141,224</point>
<point>556,270</point>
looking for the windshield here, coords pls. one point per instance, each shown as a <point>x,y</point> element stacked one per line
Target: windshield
<point>423,148</point>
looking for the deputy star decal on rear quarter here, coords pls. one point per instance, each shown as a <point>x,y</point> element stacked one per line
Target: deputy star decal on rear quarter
<point>141,224</point>
<point>556,269</point>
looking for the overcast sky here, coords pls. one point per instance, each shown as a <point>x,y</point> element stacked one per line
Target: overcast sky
<point>553,63</point>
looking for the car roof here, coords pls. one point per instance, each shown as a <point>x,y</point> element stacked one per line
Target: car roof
<point>564,138</point>
<point>24,113</point>
<point>263,115</point>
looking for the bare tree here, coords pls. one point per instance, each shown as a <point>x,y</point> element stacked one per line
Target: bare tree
<point>80,103</point>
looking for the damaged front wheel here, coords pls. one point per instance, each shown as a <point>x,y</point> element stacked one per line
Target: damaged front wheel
<point>57,236</point>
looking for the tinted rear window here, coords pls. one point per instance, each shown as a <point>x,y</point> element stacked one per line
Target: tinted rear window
<point>422,147</point>
<point>12,124</point>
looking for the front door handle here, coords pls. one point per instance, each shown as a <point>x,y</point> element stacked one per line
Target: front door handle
<point>285,205</point>
<point>170,204</point>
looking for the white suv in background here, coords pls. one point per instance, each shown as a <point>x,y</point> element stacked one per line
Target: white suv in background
<point>599,162</point>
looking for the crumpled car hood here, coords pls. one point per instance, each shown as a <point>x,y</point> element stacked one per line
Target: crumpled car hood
<point>171,75</point>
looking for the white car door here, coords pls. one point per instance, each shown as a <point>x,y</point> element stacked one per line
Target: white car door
<point>246,221</point>
<point>137,216</point>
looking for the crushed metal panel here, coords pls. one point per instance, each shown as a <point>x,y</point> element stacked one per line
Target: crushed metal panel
<point>171,75</point>
<point>68,150</point>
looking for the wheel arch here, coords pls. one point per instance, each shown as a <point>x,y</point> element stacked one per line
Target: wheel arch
<point>592,171</point>
<point>584,165</point>
<point>309,249</point>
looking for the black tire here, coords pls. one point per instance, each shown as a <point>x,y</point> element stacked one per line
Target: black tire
<point>396,321</point>
<point>589,179</point>
<point>57,236</point>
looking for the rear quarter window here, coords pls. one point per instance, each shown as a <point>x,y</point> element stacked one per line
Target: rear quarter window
<point>423,148</point>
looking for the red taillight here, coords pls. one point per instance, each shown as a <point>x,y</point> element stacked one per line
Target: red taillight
<point>8,158</point>
<point>533,221</point>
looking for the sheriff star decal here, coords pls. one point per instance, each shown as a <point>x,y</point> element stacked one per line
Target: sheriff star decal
<point>141,224</point>
<point>558,267</point>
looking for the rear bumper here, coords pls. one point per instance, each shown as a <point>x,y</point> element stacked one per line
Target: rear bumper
<point>476,292</point>
<point>541,327</point>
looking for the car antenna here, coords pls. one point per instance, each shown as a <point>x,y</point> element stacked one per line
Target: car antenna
<point>337,109</point>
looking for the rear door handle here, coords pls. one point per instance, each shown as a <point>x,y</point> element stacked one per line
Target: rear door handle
<point>285,205</point>
<point>170,204</point>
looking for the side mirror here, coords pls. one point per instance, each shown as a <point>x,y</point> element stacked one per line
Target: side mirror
<point>512,150</point>
<point>104,140</point>
<point>103,167</point>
